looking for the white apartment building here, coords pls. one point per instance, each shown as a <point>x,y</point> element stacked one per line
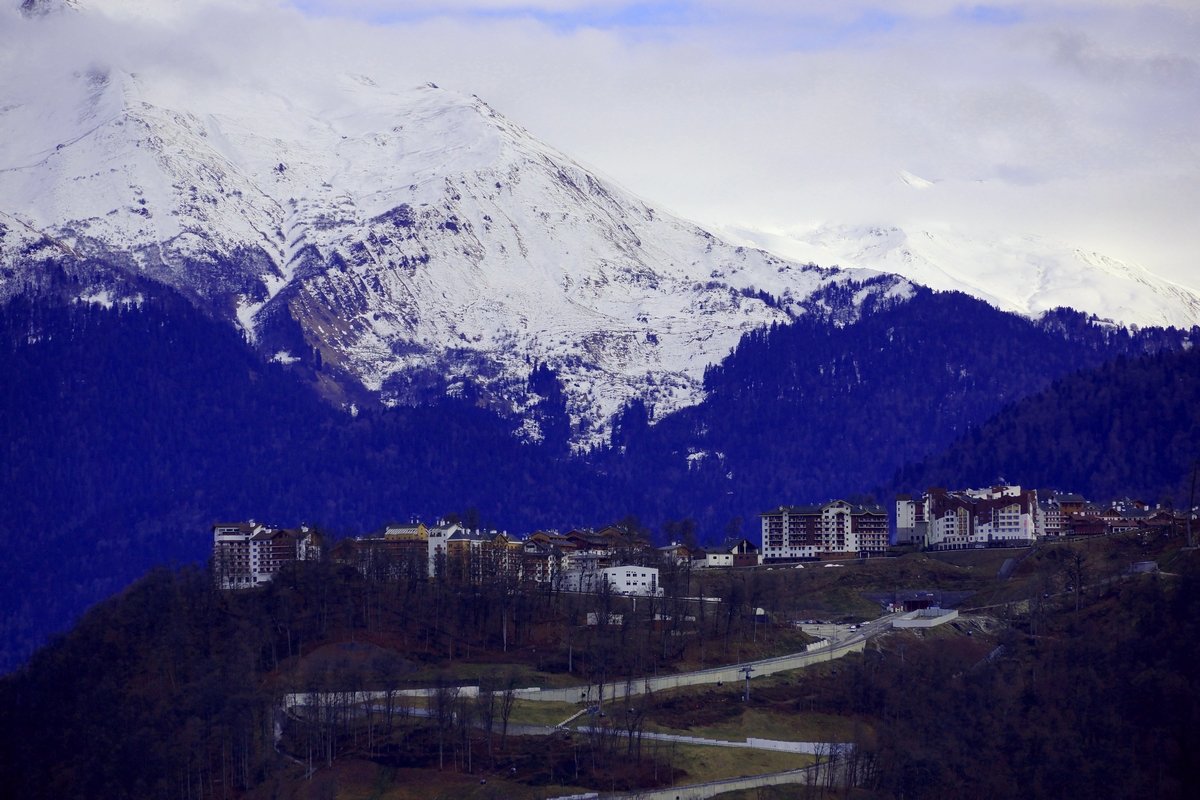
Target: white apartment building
<point>997,516</point>
<point>837,528</point>
<point>625,579</point>
<point>438,536</point>
<point>910,520</point>
<point>248,554</point>
<point>1050,518</point>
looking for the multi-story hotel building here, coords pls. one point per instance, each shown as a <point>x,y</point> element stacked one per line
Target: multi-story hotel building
<point>995,517</point>
<point>247,554</point>
<point>837,528</point>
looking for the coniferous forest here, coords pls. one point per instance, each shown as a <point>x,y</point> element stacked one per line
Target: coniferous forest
<point>128,431</point>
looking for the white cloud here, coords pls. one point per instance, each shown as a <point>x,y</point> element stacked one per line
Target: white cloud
<point>1074,119</point>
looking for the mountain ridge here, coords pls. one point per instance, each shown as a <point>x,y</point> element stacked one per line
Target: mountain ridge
<point>1026,274</point>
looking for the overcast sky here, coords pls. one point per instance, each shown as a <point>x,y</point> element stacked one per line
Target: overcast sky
<point>1072,119</point>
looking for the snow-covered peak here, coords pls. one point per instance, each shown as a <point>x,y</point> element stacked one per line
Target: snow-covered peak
<point>1026,274</point>
<point>414,237</point>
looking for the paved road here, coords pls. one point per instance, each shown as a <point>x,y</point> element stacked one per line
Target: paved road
<point>774,745</point>
<point>841,643</point>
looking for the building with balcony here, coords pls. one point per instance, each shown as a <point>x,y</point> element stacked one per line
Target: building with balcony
<point>248,554</point>
<point>997,516</point>
<point>836,529</point>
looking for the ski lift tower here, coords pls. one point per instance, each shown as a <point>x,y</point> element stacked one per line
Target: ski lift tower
<point>746,670</point>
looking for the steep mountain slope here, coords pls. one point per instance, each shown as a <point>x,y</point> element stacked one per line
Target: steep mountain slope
<point>1026,274</point>
<point>415,239</point>
<point>405,244</point>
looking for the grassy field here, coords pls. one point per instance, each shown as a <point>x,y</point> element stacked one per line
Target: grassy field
<point>719,713</point>
<point>837,593</point>
<point>1051,568</point>
<point>352,779</point>
<point>984,563</point>
<point>792,792</point>
<point>470,673</point>
<point>536,712</point>
<point>782,726</point>
<point>361,780</point>
<point>714,763</point>
<point>524,712</point>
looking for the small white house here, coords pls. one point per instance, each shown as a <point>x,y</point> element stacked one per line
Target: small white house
<point>632,580</point>
<point>627,580</point>
<point>716,558</point>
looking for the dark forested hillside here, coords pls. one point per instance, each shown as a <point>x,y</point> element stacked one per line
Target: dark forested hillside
<point>126,432</point>
<point>1100,703</point>
<point>808,411</point>
<point>155,694</point>
<point>173,687</point>
<point>1131,427</point>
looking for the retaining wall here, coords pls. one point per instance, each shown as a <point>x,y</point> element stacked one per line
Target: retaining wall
<point>919,619</point>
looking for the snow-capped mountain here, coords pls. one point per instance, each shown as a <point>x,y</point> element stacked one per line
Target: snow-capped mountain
<point>1025,274</point>
<point>416,239</point>
<point>413,238</point>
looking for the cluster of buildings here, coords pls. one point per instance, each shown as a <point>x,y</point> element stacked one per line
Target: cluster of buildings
<point>579,560</point>
<point>1005,515</point>
<point>248,554</point>
<point>997,516</point>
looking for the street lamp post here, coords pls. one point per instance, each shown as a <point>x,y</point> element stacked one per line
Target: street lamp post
<point>1192,504</point>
